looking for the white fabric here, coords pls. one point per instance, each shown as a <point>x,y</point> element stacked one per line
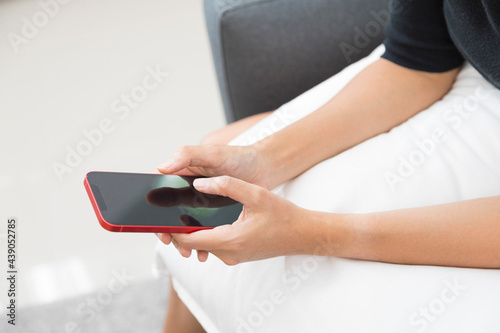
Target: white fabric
<point>446,153</point>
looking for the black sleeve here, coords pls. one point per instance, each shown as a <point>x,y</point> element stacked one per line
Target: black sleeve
<point>417,37</point>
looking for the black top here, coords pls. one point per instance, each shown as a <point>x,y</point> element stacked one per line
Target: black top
<point>436,36</point>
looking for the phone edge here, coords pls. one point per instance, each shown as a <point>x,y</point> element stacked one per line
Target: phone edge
<point>132,228</point>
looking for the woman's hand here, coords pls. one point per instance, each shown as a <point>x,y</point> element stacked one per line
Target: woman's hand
<point>268,226</point>
<point>242,162</point>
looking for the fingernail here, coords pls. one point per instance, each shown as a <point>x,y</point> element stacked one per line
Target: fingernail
<point>201,183</point>
<point>159,235</point>
<point>167,164</point>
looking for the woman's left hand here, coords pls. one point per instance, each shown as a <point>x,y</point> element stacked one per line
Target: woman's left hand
<point>268,225</point>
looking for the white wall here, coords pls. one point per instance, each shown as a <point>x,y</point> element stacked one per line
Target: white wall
<point>63,80</point>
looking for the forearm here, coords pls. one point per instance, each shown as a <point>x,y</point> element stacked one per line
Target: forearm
<point>379,98</point>
<point>465,234</point>
<point>224,135</point>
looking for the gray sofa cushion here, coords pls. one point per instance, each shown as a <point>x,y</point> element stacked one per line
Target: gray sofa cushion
<point>266,52</point>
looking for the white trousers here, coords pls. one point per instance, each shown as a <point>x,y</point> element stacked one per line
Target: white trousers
<point>449,152</point>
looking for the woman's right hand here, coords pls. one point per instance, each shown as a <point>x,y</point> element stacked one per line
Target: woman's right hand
<point>243,162</point>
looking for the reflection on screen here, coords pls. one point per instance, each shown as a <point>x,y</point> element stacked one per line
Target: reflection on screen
<point>160,200</point>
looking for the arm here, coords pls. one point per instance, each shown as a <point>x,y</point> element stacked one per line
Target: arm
<point>379,98</point>
<point>392,94</point>
<point>226,134</point>
<point>462,234</point>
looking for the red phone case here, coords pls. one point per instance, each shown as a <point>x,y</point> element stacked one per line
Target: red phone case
<point>134,228</point>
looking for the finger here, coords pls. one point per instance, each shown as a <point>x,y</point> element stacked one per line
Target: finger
<point>192,156</point>
<point>237,189</point>
<point>182,172</point>
<point>203,239</point>
<point>186,253</point>
<point>202,255</point>
<point>182,250</point>
<point>174,243</point>
<point>165,238</point>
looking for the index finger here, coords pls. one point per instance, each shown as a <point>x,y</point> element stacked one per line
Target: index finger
<point>191,156</point>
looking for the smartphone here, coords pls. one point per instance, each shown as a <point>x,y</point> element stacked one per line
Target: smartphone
<point>137,202</point>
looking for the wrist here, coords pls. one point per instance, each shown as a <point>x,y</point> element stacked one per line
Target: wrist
<point>329,234</point>
<point>265,163</point>
<point>279,161</point>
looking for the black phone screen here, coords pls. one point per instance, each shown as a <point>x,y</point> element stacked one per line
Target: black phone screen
<point>158,200</point>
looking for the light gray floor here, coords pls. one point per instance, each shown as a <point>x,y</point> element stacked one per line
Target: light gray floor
<point>65,80</point>
<point>139,308</point>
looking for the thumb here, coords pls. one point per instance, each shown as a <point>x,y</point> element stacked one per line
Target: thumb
<point>237,189</point>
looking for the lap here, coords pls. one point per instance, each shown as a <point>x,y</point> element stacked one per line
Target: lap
<point>448,152</point>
